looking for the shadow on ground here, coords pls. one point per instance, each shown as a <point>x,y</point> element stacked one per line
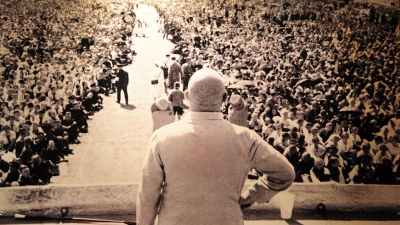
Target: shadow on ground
<point>128,107</point>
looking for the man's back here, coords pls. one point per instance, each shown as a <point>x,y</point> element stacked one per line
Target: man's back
<point>206,161</point>
<point>195,169</point>
<point>175,68</point>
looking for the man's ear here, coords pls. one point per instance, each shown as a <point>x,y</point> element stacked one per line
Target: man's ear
<point>224,97</point>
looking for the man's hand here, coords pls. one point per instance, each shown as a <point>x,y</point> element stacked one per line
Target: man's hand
<point>245,200</point>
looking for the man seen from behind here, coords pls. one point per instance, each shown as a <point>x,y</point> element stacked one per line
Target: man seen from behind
<point>195,168</point>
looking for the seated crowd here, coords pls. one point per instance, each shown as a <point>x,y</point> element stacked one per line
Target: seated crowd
<point>317,80</point>
<point>57,59</point>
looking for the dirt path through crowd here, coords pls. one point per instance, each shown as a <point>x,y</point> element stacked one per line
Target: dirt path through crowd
<point>116,144</point>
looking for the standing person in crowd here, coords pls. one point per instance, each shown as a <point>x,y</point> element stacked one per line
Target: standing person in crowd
<point>177,153</point>
<point>188,70</point>
<point>237,111</point>
<point>122,85</point>
<point>174,73</point>
<point>139,28</point>
<point>166,63</point>
<point>176,98</point>
<point>144,28</point>
<point>157,82</point>
<point>166,29</point>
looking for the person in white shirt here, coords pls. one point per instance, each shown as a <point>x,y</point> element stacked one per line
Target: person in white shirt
<point>316,149</point>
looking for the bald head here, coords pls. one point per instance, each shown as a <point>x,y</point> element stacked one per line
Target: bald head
<point>206,91</point>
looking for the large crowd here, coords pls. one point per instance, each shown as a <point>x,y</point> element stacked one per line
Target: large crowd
<point>58,60</point>
<point>317,80</point>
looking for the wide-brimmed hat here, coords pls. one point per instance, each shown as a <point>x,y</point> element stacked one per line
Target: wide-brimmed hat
<point>162,104</point>
<point>235,99</point>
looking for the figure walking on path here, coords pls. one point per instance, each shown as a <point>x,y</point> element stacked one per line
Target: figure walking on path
<point>122,85</point>
<point>174,74</point>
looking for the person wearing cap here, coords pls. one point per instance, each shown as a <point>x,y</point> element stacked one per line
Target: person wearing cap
<point>188,70</point>
<point>122,85</point>
<point>162,113</point>
<point>175,73</point>
<point>184,181</point>
<point>237,111</point>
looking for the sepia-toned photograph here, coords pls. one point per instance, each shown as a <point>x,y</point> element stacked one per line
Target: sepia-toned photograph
<point>208,112</point>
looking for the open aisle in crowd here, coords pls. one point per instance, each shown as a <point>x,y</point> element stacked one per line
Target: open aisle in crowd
<point>317,80</point>
<point>59,59</point>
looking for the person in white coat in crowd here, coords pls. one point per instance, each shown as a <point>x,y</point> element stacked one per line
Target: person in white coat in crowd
<point>157,82</point>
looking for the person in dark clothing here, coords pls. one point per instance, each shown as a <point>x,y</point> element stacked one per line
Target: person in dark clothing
<point>13,174</point>
<point>27,152</point>
<point>60,137</point>
<point>80,117</point>
<point>39,143</point>
<point>93,97</point>
<point>70,105</point>
<point>52,155</point>
<point>4,166</point>
<point>304,166</point>
<point>293,156</point>
<point>40,169</point>
<point>71,127</point>
<point>19,143</point>
<point>335,170</point>
<point>326,132</point>
<point>122,85</point>
<point>384,172</point>
<point>26,178</point>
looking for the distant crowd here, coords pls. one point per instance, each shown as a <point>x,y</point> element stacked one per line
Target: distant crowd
<point>57,62</point>
<point>317,80</point>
